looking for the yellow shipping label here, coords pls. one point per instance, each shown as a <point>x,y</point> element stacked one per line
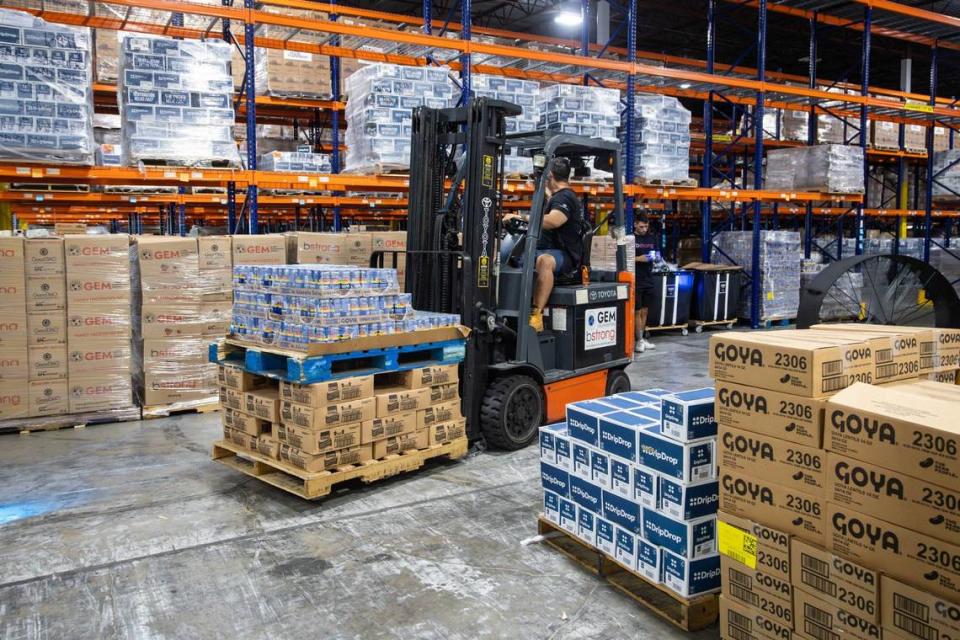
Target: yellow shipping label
<point>739,545</point>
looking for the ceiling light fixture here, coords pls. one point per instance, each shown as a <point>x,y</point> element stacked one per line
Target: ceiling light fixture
<point>568,18</point>
<point>685,85</point>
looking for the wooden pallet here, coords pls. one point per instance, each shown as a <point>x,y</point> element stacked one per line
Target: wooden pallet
<point>175,408</point>
<point>311,486</point>
<point>667,327</point>
<point>25,426</point>
<point>658,182</point>
<point>689,614</point>
<point>180,164</point>
<point>51,188</point>
<point>698,325</point>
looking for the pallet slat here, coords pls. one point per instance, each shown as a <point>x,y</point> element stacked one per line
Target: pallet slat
<point>166,410</point>
<point>689,614</point>
<point>68,421</point>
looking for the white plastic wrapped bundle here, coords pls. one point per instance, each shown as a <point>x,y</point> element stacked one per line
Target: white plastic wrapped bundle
<point>380,111</point>
<point>946,185</point>
<point>661,138</point>
<point>46,96</point>
<point>295,161</point>
<point>831,168</point>
<point>176,102</point>
<point>780,257</point>
<point>523,93</point>
<point>581,110</point>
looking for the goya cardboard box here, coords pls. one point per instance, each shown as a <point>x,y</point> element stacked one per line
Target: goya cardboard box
<point>817,619</point>
<point>741,622</point>
<point>779,362</point>
<point>792,418</point>
<point>926,338</point>
<point>691,539</point>
<point>755,561</point>
<point>788,510</point>
<point>791,465</point>
<point>689,415</point>
<point>836,580</point>
<point>429,376</point>
<point>394,400</point>
<point>912,614</point>
<point>897,428</point>
<point>899,357</point>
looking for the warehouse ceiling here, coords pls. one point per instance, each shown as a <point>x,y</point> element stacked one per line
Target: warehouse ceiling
<point>681,30</point>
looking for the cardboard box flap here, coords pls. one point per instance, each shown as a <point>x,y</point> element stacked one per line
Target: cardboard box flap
<point>903,403</point>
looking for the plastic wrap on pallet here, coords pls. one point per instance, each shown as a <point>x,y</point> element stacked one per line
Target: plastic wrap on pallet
<point>946,168</point>
<point>46,94</point>
<point>780,257</point>
<point>661,138</point>
<point>380,111</point>
<point>945,258</point>
<point>583,110</point>
<point>523,93</point>
<point>297,161</point>
<point>176,102</point>
<point>832,168</point>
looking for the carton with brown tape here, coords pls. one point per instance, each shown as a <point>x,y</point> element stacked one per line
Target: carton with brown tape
<point>44,257</point>
<point>437,414</point>
<point>760,572</point>
<point>740,622</point>
<point>395,425</point>
<point>49,398</point>
<point>901,428</point>
<point>399,444</point>
<point>263,403</point>
<point>322,394</point>
<point>240,421</point>
<point>912,614</point>
<point>818,620</point>
<point>14,398</point>
<point>792,418</point>
<point>48,362</point>
<point>325,461</point>
<point>788,510</point>
<point>446,432</point>
<point>316,441</point>
<point>393,400</point>
<point>96,251</point>
<point>100,391</point>
<point>785,463</point>
<point>47,328</point>
<point>359,410</point>
<point>836,580</point>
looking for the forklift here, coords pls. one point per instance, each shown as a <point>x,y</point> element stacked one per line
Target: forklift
<point>462,258</point>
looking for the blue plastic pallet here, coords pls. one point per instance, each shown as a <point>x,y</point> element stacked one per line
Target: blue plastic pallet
<point>304,369</point>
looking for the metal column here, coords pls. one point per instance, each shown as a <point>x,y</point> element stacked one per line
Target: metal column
<point>231,186</point>
<point>249,32</point>
<point>864,129</point>
<point>811,132</point>
<point>706,207</point>
<point>466,13</point>
<point>928,205</point>
<point>755,274</point>
<point>335,121</point>
<point>629,169</point>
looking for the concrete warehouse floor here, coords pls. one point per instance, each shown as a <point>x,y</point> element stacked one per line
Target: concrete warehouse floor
<point>130,531</point>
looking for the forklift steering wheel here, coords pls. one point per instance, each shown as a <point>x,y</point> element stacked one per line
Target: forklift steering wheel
<point>516,226</point>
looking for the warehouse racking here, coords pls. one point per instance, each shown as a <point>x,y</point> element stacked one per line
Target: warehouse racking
<point>729,155</point>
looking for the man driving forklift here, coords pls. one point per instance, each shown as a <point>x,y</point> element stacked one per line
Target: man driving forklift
<point>560,245</point>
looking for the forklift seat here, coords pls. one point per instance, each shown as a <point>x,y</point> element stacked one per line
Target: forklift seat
<point>575,275</point>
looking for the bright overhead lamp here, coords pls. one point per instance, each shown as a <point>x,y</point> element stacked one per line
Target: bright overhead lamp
<point>685,85</point>
<point>568,18</point>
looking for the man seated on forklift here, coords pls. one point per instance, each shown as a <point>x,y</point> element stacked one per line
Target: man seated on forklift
<point>559,248</point>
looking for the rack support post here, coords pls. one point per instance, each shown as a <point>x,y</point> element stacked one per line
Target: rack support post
<point>706,207</point>
<point>755,285</point>
<point>250,52</point>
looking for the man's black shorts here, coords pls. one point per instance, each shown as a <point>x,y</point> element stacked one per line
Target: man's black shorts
<point>644,294</point>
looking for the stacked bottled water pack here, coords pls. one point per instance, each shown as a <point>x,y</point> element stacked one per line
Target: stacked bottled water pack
<point>593,112</point>
<point>296,305</point>
<point>780,257</point>
<point>832,168</point>
<point>523,93</point>
<point>298,161</point>
<point>661,138</point>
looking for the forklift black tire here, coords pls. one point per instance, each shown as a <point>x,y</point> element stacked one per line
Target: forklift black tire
<point>617,382</point>
<point>512,412</point>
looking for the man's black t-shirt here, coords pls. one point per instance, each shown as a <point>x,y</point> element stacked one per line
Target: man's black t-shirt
<point>566,237</point>
<point>645,244</point>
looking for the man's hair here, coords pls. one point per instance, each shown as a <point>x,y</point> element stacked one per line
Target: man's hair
<point>560,169</point>
<point>642,218</point>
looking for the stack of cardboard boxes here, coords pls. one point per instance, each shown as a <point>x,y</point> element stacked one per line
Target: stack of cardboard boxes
<point>798,441</point>
<point>349,248</point>
<point>14,373</point>
<point>634,476</point>
<point>46,310</point>
<point>321,426</point>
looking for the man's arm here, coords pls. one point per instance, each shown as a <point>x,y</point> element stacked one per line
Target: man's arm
<point>554,219</point>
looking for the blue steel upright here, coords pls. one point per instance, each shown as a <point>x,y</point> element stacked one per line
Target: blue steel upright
<point>231,186</point>
<point>755,275</point>
<point>335,120</point>
<point>249,33</point>
<point>706,207</point>
<point>859,231</point>
<point>811,132</point>
<point>629,169</point>
<point>466,16</point>
<point>928,209</point>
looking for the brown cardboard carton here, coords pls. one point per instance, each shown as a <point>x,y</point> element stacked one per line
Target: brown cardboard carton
<point>359,410</point>
<point>107,284</point>
<point>13,328</point>
<point>801,367</point>
<point>443,393</point>
<point>322,394</point>
<point>167,257</point>
<point>48,363</point>
<point>945,348</point>
<point>48,398</point>
<point>168,386</point>
<point>268,446</point>
<point>232,399</point>
<point>168,321</point>
<point>241,439</point>
<point>44,257</point>
<point>835,580</point>
<point>14,363</point>
<point>742,587</point>
<point>13,291</point>
<point>786,463</point>
<point>46,293</point>
<point>446,412</point>
<point>263,403</point>
<point>740,622</point>
<point>902,553</point>
<point>940,390</point>
<point>947,377</point>
<point>389,241</point>
<point>358,249</point>
<point>325,461</point>
<point>820,620</point>
<point>429,376</point>
<point>14,399</point>
<point>96,251</point>
<point>216,253</point>
<point>760,575</point>
<point>240,421</point>
<point>788,510</point>
<point>912,614</point>
<point>101,322</point>
<point>47,328</point>
<point>792,418</point>
<point>319,441</point>
<point>170,290</point>
<point>88,357</point>
<point>66,228</point>
<point>897,428</point>
<point>393,400</point>
<point>925,338</point>
<point>12,257</point>
<point>896,355</point>
<point>399,444</point>
<point>895,496</point>
<point>395,425</point>
<point>99,392</point>
<point>320,248</point>
<point>241,380</point>
<point>446,432</point>
<point>259,249</point>
<point>170,354</point>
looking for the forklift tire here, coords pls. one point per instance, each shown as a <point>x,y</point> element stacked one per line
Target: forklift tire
<point>617,382</point>
<point>512,412</point>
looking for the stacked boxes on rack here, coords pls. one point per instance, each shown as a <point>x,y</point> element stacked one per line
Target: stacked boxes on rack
<point>354,248</point>
<point>582,110</point>
<point>297,161</point>
<point>523,93</point>
<point>380,111</point>
<point>634,475</point>
<point>661,139</point>
<point>46,94</point>
<point>176,101</point>
<point>831,168</point>
<point>780,257</point>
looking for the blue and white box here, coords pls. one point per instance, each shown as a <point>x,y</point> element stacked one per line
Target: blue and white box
<point>620,433</point>
<point>606,536</point>
<point>690,577</point>
<point>580,458</point>
<point>648,560</point>
<point>568,515</point>
<point>688,415</point>
<point>625,551</point>
<point>586,494</point>
<point>621,477</point>
<point>690,539</point>
<point>686,461</point>
<point>561,442</point>
<point>587,526</point>
<point>600,468</point>
<point>621,402</point>
<point>646,396</point>
<point>651,412</point>
<point>622,512</point>
<point>551,507</point>
<point>548,447</point>
<point>554,479</point>
<point>646,486</point>
<point>688,500</point>
<point>583,420</point>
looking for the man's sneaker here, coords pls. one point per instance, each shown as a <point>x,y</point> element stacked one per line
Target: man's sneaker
<point>638,348</point>
<point>536,320</point>
<point>648,345</point>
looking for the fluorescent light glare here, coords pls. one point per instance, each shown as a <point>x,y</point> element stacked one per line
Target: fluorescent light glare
<point>568,18</point>
<point>685,85</point>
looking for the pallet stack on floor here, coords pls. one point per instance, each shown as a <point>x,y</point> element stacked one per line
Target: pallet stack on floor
<point>838,483</point>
